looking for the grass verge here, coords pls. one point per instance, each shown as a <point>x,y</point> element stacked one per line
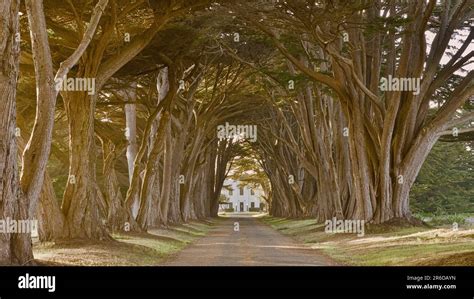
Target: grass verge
<point>126,249</point>
<point>384,245</point>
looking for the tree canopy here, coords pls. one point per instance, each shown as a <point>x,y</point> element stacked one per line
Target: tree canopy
<point>348,97</point>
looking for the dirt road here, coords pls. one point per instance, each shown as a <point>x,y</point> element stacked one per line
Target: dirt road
<point>254,244</point>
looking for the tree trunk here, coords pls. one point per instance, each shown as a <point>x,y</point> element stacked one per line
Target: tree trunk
<point>49,215</point>
<point>167,174</point>
<point>113,197</point>
<point>15,248</point>
<point>81,205</point>
<point>132,148</point>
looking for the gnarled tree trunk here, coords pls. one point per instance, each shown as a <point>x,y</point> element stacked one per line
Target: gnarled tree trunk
<point>15,248</point>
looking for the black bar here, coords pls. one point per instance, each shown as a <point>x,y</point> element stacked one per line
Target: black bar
<point>245,282</point>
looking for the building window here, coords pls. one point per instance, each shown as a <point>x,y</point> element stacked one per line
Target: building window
<point>252,192</point>
<point>252,205</point>
<point>241,190</point>
<point>231,191</point>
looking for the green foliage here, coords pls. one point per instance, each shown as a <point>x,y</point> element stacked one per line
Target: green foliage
<point>444,219</point>
<point>445,183</point>
<point>247,170</point>
<point>223,198</point>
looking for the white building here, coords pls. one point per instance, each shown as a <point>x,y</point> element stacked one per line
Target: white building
<point>242,199</point>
